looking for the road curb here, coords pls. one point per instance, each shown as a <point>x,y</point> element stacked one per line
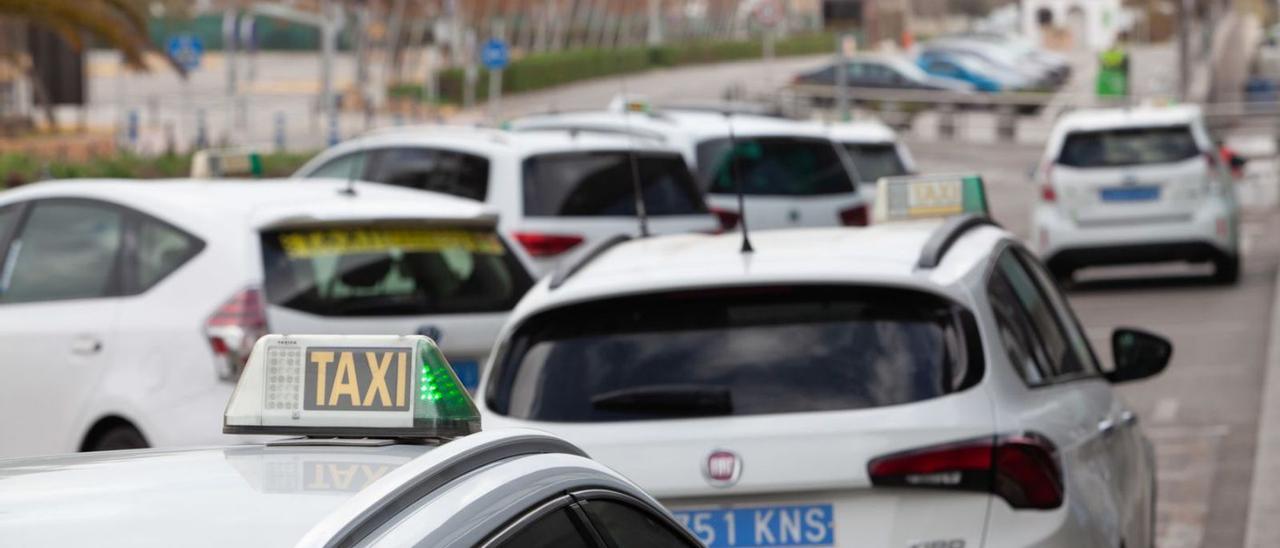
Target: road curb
<point>1263,525</point>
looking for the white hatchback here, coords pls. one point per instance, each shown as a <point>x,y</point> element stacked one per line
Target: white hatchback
<point>910,384</point>
<point>792,173</point>
<point>128,308</point>
<point>1135,185</point>
<point>558,193</point>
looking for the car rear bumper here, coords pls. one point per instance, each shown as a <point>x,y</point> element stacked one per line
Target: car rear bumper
<point>1207,234</point>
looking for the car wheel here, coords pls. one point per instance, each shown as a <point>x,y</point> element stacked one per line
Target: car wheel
<point>118,437</point>
<point>1227,270</point>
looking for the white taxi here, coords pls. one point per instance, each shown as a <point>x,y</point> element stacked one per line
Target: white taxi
<point>557,193</point>
<point>150,294</point>
<point>1135,185</point>
<point>389,453</point>
<point>792,173</point>
<point>919,383</point>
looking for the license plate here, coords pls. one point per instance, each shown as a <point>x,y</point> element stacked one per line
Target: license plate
<point>1130,194</point>
<point>468,373</point>
<point>803,525</point>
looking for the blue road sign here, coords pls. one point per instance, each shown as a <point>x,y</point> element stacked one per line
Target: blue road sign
<point>186,50</point>
<point>494,54</point>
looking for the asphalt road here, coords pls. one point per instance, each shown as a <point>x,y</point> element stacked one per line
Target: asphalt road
<point>1202,413</point>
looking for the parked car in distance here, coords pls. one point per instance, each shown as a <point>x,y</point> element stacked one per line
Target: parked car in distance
<point>984,75</point>
<point>557,193</point>
<point>883,71</point>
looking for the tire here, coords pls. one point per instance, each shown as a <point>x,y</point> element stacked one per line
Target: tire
<point>1226,270</point>
<point>117,438</point>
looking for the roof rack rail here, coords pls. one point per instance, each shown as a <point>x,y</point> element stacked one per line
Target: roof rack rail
<point>947,234</point>
<point>591,128</point>
<point>563,274</point>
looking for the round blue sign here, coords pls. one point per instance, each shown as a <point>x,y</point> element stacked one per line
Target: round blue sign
<point>186,50</point>
<point>494,54</point>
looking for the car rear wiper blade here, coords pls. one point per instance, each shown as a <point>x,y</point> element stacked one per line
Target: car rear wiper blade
<point>668,399</point>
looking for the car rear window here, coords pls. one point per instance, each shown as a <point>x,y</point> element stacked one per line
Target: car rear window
<point>875,160</point>
<point>360,270</point>
<point>601,184</point>
<point>741,351</point>
<point>1129,147</point>
<point>773,166</point>
<point>446,171</point>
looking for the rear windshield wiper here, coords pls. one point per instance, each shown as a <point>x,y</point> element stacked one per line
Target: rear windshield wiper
<point>668,399</point>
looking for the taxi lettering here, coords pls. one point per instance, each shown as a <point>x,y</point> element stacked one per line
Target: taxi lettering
<point>357,379</point>
<point>342,476</point>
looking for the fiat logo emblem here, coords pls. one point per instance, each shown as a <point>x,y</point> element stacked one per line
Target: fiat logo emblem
<point>722,468</point>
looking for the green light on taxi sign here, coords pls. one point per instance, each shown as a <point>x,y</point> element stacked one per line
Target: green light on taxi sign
<point>372,386</point>
<point>928,197</point>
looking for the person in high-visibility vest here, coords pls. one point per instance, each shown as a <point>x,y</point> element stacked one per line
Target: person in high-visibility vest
<point>1113,70</point>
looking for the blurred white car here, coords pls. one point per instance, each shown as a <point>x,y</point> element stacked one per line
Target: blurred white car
<point>792,173</point>
<point>128,308</point>
<point>921,382</point>
<point>1135,185</point>
<point>557,193</point>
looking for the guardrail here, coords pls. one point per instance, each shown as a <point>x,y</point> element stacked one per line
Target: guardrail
<point>899,108</point>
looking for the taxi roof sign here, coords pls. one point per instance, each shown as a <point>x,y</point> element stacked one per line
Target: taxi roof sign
<point>366,386</point>
<point>928,197</point>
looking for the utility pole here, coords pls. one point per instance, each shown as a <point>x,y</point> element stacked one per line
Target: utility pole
<point>328,45</point>
<point>230,30</point>
<point>1184,50</point>
<point>654,37</point>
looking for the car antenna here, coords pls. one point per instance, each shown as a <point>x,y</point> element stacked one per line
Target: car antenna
<point>642,213</point>
<point>350,189</point>
<point>737,180</point>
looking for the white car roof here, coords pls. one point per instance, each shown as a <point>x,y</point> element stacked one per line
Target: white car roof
<point>236,496</point>
<point>694,124</point>
<point>885,254</point>
<point>1115,118</point>
<point>286,495</point>
<point>267,201</point>
<point>493,142</point>
<point>861,131</point>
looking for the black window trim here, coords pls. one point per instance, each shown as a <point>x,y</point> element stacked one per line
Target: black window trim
<point>550,506</point>
<point>1009,246</point>
<point>584,497</point>
<point>118,270</point>
<point>132,260</point>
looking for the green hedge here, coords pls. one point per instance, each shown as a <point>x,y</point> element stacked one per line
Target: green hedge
<point>18,169</point>
<point>542,71</point>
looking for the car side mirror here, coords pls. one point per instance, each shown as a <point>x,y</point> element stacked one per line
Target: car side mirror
<point>1138,354</point>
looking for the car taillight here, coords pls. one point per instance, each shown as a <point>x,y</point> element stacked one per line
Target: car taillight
<point>1047,192</point>
<point>728,219</point>
<point>547,245</point>
<point>1022,469</point>
<point>233,329</point>
<point>855,216</point>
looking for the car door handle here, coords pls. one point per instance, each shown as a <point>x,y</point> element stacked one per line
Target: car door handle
<point>86,346</point>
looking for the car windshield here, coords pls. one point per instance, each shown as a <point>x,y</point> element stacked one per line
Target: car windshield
<point>742,351</point>
<point>1129,147</point>
<point>780,166</point>
<point>875,160</point>
<point>601,183</point>
<point>358,270</point>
